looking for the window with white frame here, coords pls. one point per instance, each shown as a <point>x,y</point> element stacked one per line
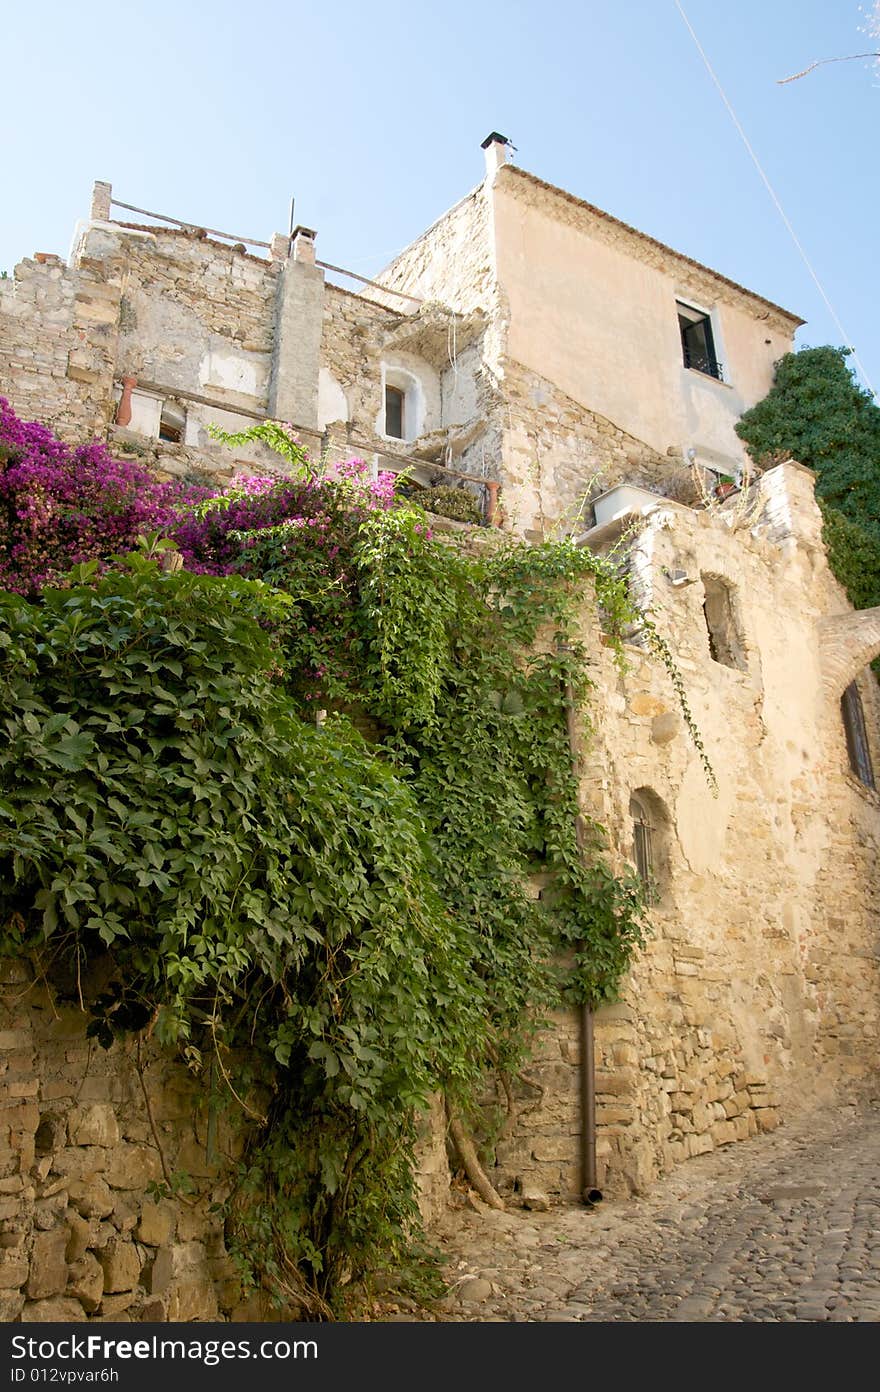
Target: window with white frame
<point>403,403</point>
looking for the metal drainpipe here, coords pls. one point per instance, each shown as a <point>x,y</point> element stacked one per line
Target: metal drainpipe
<point>590,1191</point>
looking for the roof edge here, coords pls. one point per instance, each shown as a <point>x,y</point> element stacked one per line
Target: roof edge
<point>513,171</point>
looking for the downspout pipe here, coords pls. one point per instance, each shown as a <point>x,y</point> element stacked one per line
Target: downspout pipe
<point>590,1192</point>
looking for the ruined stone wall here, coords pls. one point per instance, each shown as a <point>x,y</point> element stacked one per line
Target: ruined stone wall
<point>197,315</point>
<point>58,332</point>
<point>758,992</point>
<point>452,261</point>
<point>557,456</point>
<point>351,351</point>
<point>85,1134</point>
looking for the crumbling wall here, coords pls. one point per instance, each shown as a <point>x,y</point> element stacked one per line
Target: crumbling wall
<point>452,261</point>
<point>87,1136</point>
<point>557,456</point>
<point>756,995</point>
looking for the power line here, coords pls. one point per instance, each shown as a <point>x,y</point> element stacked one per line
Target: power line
<point>779,208</point>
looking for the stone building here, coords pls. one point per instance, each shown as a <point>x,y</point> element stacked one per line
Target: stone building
<point>574,375</point>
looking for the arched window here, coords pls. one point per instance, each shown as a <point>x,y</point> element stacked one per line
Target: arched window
<point>719,611</point>
<point>643,840</point>
<point>853,715</point>
<point>403,403</point>
<point>651,842</point>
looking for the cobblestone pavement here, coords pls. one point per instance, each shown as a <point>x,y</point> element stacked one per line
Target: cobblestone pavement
<point>781,1227</point>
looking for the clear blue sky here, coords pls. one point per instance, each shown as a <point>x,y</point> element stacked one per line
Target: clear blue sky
<point>371,116</point>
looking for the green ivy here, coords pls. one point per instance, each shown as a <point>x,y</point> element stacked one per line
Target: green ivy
<point>343,925</point>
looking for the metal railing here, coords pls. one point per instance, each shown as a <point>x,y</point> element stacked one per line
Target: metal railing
<point>700,362</point>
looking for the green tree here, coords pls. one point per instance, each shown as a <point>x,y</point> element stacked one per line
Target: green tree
<point>817,414</point>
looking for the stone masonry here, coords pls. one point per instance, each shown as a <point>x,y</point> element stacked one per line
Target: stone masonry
<point>535,344</point>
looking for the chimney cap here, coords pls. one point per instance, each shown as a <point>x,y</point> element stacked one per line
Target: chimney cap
<point>493,138</point>
<point>300,231</point>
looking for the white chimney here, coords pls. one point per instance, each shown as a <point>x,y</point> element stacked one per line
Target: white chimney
<point>497,149</point>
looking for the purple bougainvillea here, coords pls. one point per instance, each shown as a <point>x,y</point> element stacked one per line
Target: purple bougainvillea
<point>61,505</point>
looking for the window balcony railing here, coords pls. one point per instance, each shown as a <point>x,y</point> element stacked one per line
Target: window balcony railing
<point>701,363</point>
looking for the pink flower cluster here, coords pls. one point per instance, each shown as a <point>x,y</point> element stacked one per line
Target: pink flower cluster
<point>60,506</point>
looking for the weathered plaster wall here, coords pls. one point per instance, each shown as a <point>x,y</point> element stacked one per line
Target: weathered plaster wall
<point>592,308</point>
<point>197,315</point>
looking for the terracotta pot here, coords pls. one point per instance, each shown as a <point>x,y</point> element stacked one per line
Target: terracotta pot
<point>123,410</point>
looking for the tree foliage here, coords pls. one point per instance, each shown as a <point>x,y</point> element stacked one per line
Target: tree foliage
<point>817,414</point>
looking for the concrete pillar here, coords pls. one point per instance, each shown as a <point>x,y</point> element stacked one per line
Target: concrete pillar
<point>299,322</point>
<point>101,195</point>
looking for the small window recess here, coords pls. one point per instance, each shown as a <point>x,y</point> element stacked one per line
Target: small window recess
<point>725,643</point>
<point>643,841</point>
<point>853,715</point>
<point>395,405</point>
<point>698,341</point>
<point>650,843</point>
<point>172,423</point>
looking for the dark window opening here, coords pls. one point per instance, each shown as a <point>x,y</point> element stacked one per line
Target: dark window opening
<point>856,735</point>
<point>725,645</point>
<point>697,342</point>
<point>394,412</point>
<point>171,424</point>
<point>643,850</point>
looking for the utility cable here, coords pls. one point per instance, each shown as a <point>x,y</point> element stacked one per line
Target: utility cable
<point>779,208</point>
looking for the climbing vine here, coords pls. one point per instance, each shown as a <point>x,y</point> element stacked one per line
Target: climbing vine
<point>295,791</point>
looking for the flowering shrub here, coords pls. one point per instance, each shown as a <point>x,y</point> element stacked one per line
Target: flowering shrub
<point>61,506</point>
<point>304,536</point>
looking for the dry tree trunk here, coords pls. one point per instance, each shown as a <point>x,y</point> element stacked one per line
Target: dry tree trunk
<point>472,1167</point>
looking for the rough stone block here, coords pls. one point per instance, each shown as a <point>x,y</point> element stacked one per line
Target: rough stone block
<point>91,1197</point>
<point>157,1276</point>
<point>767,1118</point>
<point>78,1233</point>
<point>193,1300</point>
<point>157,1222</point>
<point>48,1269</point>
<point>112,1306</point>
<point>93,1125</point>
<point>86,1282</point>
<point>61,1310</point>
<point>133,1166</point>
<point>79,1162</point>
<point>13,1272</point>
<point>121,1265</point>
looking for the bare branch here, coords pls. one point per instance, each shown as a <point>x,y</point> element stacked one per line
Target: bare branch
<point>819,61</point>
